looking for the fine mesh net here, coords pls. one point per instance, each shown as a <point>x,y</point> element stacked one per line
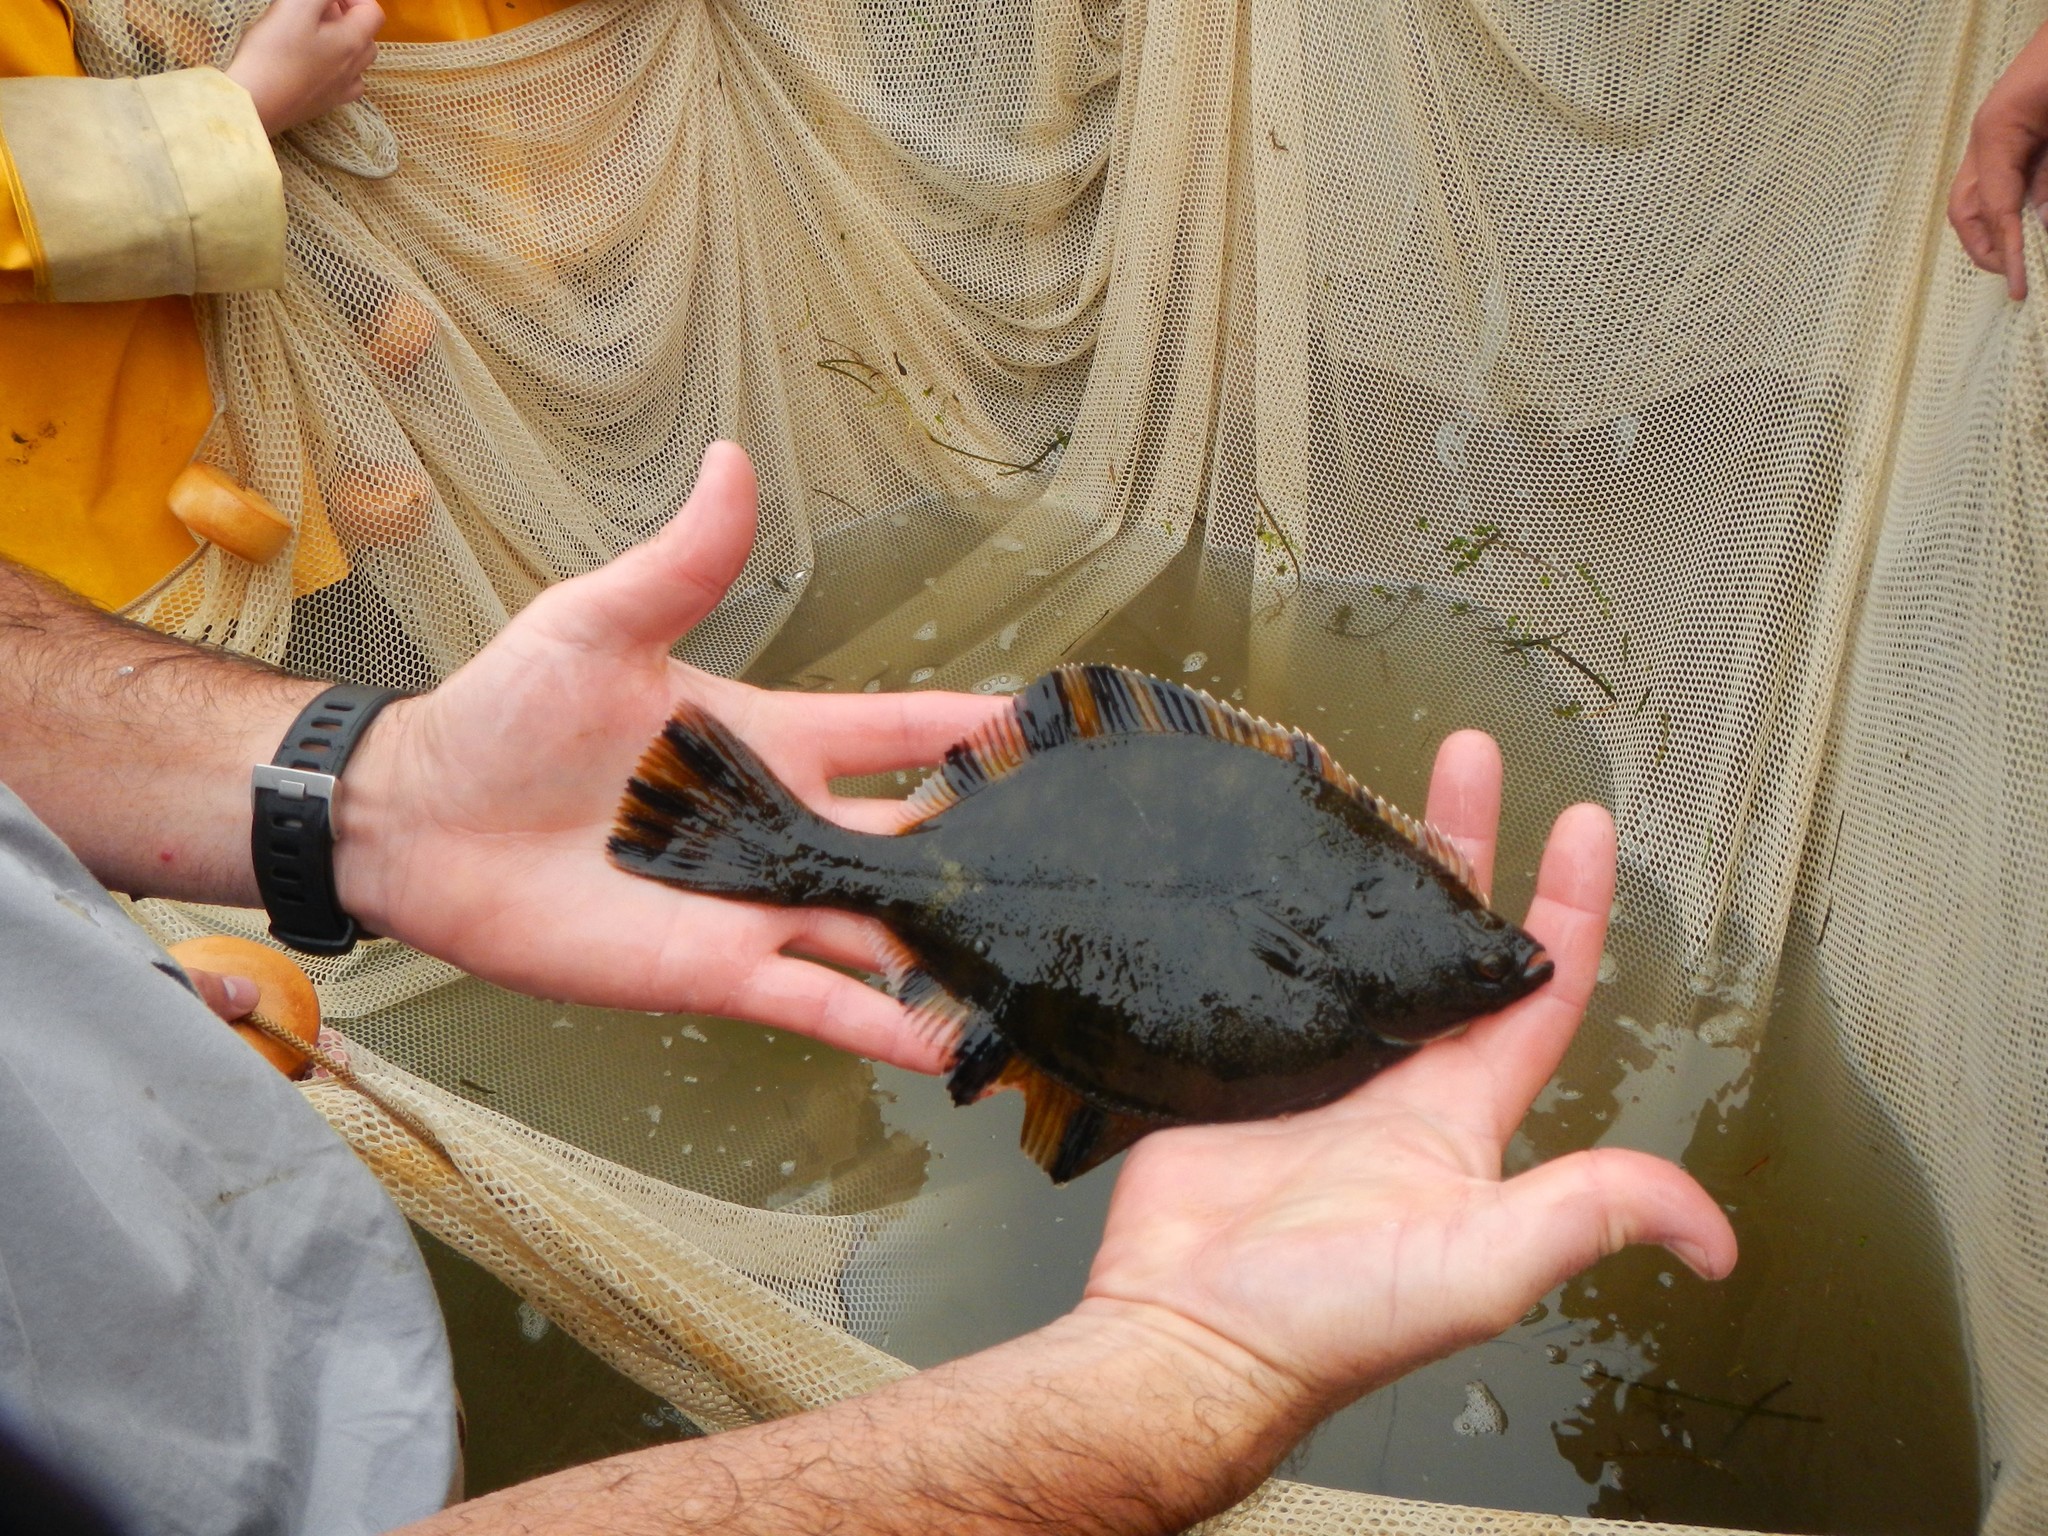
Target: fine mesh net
<point>1618,344</point>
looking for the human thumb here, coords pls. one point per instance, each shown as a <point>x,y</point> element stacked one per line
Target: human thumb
<point>654,592</point>
<point>230,997</point>
<point>1578,1209</point>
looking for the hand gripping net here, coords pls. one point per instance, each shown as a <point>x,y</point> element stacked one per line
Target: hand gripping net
<point>1622,342</point>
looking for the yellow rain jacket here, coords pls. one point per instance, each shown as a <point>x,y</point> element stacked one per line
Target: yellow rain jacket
<point>121,197</point>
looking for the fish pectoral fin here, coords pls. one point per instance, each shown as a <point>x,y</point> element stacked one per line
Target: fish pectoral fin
<point>1278,942</point>
<point>1065,1134</point>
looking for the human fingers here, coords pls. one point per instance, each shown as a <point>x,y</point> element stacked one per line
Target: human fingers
<point>1516,1051</point>
<point>2003,156</point>
<point>2012,248</point>
<point>1966,215</point>
<point>875,733</point>
<point>362,20</point>
<point>835,1010</point>
<point>652,594</point>
<point>1464,799</point>
<point>304,14</point>
<point>1561,1216</point>
<point>837,938</point>
<point>230,997</point>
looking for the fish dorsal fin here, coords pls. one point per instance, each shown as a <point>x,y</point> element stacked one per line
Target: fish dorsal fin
<point>1080,701</point>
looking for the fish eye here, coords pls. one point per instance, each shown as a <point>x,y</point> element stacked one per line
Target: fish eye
<point>1495,964</point>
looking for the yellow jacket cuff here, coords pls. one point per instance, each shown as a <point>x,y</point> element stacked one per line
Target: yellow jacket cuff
<point>136,188</point>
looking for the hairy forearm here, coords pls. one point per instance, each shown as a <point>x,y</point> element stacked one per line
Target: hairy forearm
<point>135,748</point>
<point>1106,1423</point>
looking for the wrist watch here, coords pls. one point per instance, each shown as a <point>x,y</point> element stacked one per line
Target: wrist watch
<point>292,839</point>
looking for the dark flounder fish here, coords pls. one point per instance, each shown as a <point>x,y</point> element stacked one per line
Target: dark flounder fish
<point>1140,906</point>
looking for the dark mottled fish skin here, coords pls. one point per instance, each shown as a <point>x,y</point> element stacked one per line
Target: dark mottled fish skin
<point>1170,922</point>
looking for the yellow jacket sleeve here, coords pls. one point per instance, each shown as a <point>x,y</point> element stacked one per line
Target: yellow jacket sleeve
<point>127,189</point>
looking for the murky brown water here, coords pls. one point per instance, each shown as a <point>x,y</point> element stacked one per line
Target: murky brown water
<point>1822,1388</point>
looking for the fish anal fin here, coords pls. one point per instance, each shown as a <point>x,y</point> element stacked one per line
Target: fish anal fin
<point>1063,1133</point>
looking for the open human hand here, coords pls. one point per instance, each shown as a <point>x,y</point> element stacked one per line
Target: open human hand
<point>2004,171</point>
<point>305,57</point>
<point>474,821</point>
<point>1345,1246</point>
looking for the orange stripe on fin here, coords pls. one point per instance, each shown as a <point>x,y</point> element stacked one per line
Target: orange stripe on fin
<point>1063,1133</point>
<point>993,752</point>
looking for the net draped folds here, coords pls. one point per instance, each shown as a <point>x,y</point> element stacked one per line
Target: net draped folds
<point>1626,340</point>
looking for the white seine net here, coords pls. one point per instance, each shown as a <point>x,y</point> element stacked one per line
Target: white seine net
<point>1624,338</point>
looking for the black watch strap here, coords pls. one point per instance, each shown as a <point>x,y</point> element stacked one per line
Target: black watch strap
<point>292,839</point>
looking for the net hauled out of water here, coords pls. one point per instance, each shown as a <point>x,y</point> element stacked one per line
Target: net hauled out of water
<point>1624,338</point>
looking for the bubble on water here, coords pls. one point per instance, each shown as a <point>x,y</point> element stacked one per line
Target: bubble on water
<point>787,1167</point>
<point>1666,1279</point>
<point>923,675</point>
<point>692,1032</point>
<point>1608,968</point>
<point>1001,682</point>
<point>653,1113</point>
<point>533,1327</point>
<point>872,685</point>
<point>688,1147</point>
<point>1007,637</point>
<point>667,1041</point>
<point>1194,661</point>
<point>1483,1413</point>
<point>1554,1353</point>
<point>928,630</point>
<point>1730,1028</point>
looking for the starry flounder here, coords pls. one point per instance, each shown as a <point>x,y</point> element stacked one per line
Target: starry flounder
<point>1139,905</point>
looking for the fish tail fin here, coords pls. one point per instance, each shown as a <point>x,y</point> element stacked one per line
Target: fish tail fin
<point>703,811</point>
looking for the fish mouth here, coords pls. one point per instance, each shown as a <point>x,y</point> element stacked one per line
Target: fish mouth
<point>1538,969</point>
